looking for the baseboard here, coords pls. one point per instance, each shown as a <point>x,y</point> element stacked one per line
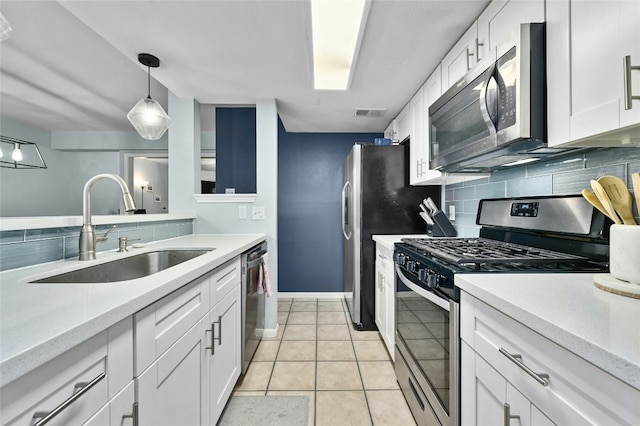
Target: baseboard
<point>268,332</point>
<point>303,295</point>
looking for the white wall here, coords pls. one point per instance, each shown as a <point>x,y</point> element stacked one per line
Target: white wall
<point>56,190</point>
<point>222,218</point>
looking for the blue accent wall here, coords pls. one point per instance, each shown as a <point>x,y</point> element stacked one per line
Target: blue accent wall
<point>236,144</point>
<point>310,179</point>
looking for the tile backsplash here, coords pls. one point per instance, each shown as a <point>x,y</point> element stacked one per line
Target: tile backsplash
<point>568,174</point>
<point>32,246</point>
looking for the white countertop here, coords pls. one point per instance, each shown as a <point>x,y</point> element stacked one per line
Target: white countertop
<point>40,321</point>
<point>42,222</point>
<point>600,327</point>
<point>388,240</point>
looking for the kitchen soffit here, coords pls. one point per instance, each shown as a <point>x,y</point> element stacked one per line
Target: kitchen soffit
<point>72,65</point>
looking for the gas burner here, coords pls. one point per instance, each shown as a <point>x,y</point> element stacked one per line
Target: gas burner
<point>464,251</point>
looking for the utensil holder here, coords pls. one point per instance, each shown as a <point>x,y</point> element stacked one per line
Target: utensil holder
<point>624,253</point>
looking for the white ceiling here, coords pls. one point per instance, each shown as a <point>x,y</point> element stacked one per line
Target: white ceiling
<point>72,65</point>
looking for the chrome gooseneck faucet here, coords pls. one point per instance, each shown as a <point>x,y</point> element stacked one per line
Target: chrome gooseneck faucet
<point>87,236</point>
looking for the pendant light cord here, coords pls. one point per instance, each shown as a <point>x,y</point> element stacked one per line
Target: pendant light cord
<point>148,82</point>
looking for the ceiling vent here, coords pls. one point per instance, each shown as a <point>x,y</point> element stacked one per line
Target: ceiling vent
<point>369,112</point>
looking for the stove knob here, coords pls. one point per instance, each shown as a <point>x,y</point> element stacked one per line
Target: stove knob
<point>401,259</point>
<point>415,267</point>
<point>432,281</point>
<point>422,274</point>
<point>410,265</point>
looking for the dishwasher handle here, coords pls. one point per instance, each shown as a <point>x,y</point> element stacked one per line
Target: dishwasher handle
<point>256,262</point>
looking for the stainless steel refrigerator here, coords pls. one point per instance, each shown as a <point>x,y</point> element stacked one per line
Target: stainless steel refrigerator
<point>376,199</point>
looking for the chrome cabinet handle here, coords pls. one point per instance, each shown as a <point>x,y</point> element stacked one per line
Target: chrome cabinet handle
<point>508,416</point>
<point>213,335</point>
<point>46,416</point>
<point>469,55</point>
<point>478,45</point>
<point>133,415</point>
<point>628,89</point>
<point>541,378</point>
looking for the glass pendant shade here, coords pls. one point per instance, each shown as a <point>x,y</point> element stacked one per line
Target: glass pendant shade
<point>149,119</point>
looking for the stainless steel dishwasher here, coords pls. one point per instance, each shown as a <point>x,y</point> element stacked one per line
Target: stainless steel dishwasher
<point>253,302</point>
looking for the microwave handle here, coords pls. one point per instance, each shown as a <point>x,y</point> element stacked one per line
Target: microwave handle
<point>484,108</point>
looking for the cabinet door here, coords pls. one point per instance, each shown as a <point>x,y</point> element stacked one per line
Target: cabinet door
<point>404,123</point>
<point>118,412</point>
<point>390,318</point>
<point>160,325</point>
<point>585,84</point>
<point>390,132</point>
<point>225,358</point>
<point>460,58</point>
<point>380,302</point>
<point>173,390</point>
<point>418,138</point>
<point>503,17</point>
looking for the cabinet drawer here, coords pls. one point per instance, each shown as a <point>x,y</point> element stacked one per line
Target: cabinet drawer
<point>577,392</point>
<point>160,325</point>
<point>223,279</point>
<point>100,361</point>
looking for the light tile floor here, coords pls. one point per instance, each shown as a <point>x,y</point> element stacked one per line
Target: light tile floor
<point>347,374</point>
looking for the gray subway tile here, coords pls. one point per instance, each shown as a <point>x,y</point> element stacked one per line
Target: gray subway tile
<point>165,232</point>
<point>39,234</point>
<point>465,219</point>
<point>464,193</point>
<point>17,255</point>
<point>144,235</point>
<point>470,206</point>
<point>576,181</point>
<point>448,194</point>
<point>11,236</point>
<point>490,190</point>
<point>556,165</point>
<point>508,174</point>
<point>541,185</point>
<point>608,156</point>
<point>186,229</point>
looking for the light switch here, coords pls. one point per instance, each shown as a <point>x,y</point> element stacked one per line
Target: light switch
<point>242,212</point>
<point>452,212</point>
<point>257,213</point>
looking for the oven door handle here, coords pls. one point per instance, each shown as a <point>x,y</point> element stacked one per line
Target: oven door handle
<point>440,301</point>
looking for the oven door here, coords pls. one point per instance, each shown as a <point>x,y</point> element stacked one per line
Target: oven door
<point>427,337</point>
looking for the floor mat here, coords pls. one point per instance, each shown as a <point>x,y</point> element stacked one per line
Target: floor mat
<point>266,411</point>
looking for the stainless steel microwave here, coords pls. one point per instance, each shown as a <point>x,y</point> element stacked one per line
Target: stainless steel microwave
<point>496,113</point>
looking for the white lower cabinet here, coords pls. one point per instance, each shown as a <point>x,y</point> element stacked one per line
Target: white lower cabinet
<point>385,297</point>
<point>225,357</point>
<point>173,390</point>
<point>513,375</point>
<point>119,411</point>
<point>72,387</point>
<point>191,374</point>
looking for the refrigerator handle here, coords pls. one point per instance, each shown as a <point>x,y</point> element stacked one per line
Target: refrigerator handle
<point>345,211</point>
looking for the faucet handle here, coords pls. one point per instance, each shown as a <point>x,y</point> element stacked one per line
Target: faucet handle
<point>104,237</point>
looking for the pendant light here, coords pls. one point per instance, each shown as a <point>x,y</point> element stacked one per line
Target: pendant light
<point>147,116</point>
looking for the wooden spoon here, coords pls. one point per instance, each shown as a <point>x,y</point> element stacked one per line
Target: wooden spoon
<point>620,198</point>
<point>604,200</point>
<point>594,201</point>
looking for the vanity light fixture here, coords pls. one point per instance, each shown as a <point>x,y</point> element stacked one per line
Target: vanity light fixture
<point>337,30</point>
<point>147,116</point>
<point>24,155</point>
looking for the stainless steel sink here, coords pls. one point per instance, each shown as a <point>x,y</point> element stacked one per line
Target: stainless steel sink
<point>127,268</point>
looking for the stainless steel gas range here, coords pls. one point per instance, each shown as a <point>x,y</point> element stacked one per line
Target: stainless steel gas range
<point>518,235</point>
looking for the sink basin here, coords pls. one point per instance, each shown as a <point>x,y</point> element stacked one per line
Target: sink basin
<point>127,268</point>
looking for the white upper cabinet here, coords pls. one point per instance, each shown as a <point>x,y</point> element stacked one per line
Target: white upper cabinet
<point>501,18</point>
<point>419,150</point>
<point>586,44</point>
<point>404,123</point>
<point>461,58</point>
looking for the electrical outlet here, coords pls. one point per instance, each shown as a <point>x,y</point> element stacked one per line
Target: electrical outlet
<point>257,213</point>
<point>452,212</point>
<point>242,212</point>
<point>229,190</point>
